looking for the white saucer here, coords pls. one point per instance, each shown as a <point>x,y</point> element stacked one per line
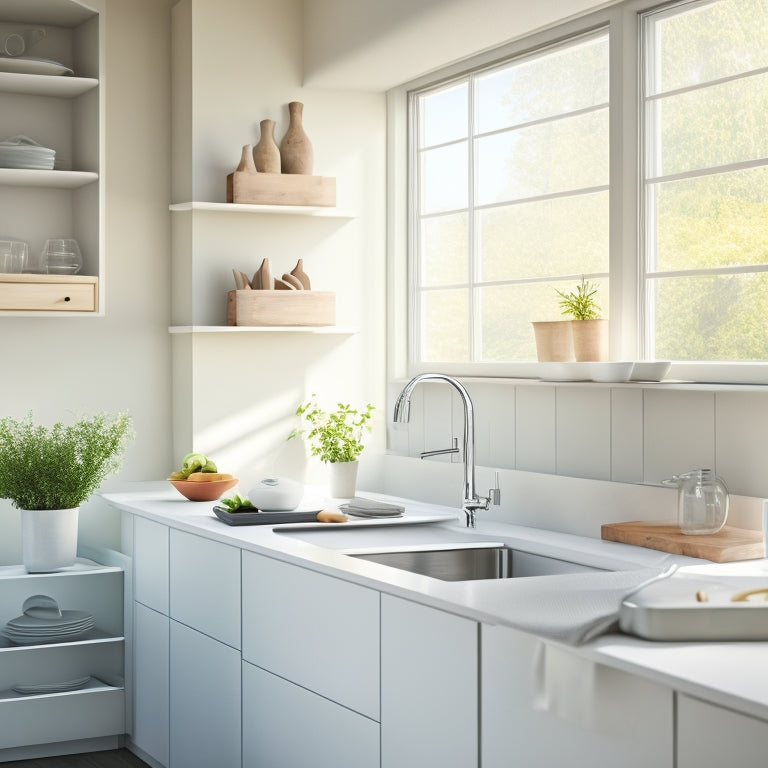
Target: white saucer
<point>27,66</point>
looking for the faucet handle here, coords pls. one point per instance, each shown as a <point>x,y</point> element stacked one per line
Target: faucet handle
<point>494,494</point>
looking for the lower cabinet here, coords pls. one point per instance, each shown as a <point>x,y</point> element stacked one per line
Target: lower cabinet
<point>287,726</point>
<point>204,701</point>
<point>151,672</point>
<point>543,705</point>
<point>429,687</point>
<point>711,737</point>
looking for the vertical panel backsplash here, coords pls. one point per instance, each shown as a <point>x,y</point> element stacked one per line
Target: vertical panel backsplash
<point>623,433</point>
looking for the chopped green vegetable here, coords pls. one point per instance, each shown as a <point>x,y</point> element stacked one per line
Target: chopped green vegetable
<point>238,504</point>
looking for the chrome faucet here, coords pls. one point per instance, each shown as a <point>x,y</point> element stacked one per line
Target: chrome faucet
<point>472,501</point>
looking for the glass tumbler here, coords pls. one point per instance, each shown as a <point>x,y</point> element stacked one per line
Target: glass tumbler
<point>13,256</point>
<point>61,256</point>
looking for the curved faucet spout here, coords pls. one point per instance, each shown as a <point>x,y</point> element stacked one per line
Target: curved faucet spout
<point>471,500</point>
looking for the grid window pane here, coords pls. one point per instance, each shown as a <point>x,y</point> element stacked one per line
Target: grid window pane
<point>444,178</point>
<point>443,115</point>
<point>445,326</point>
<point>712,221</point>
<point>520,241</point>
<point>566,80</point>
<point>444,257</point>
<point>712,41</point>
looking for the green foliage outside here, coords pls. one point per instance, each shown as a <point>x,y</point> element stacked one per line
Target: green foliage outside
<point>60,467</point>
<point>334,436</point>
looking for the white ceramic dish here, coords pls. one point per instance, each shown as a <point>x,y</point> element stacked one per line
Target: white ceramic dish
<point>650,370</point>
<point>564,371</point>
<point>24,65</point>
<point>613,371</point>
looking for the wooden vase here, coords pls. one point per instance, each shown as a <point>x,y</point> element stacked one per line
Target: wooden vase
<point>266,154</point>
<point>296,153</point>
<point>590,339</point>
<point>554,342</point>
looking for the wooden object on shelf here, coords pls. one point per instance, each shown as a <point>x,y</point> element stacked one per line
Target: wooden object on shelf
<point>246,160</point>
<point>262,277</point>
<point>296,152</point>
<point>278,308</point>
<point>280,189</point>
<point>60,293</point>
<point>725,546</point>
<point>298,272</point>
<point>266,154</point>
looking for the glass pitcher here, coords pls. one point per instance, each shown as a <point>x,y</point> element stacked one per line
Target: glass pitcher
<point>702,501</point>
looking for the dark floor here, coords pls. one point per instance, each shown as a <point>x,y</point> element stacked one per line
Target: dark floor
<point>115,758</point>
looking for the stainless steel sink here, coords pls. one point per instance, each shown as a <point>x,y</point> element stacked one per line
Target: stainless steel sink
<point>469,562</point>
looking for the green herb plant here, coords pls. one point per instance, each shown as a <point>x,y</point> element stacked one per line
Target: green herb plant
<point>238,504</point>
<point>60,467</point>
<point>581,303</point>
<point>334,436</point>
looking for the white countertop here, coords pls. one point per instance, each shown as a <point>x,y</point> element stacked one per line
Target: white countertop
<point>732,674</point>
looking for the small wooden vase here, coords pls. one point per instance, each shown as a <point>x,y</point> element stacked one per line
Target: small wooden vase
<point>266,154</point>
<point>296,153</point>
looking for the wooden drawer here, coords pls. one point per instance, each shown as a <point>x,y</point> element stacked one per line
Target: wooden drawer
<point>56,293</point>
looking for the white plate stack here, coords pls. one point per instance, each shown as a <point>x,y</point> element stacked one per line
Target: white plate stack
<point>43,622</point>
<point>23,152</point>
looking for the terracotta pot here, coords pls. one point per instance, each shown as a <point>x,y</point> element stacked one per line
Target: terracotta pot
<point>343,480</point>
<point>554,342</point>
<point>590,339</point>
<point>48,539</point>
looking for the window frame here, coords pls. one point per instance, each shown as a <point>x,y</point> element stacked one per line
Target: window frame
<point>623,23</point>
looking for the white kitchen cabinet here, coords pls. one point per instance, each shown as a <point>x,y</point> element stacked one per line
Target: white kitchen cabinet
<point>429,687</point>
<point>151,680</point>
<point>64,113</point>
<point>543,705</point>
<point>709,736</point>
<point>315,630</point>
<point>287,726</point>
<point>32,725</point>
<point>151,564</point>
<point>205,705</point>
<point>205,586</point>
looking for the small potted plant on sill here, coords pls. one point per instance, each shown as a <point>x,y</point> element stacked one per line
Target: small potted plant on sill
<point>589,331</point>
<point>49,473</point>
<point>336,438</point>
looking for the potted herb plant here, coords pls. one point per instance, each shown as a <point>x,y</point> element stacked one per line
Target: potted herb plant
<point>336,438</point>
<point>589,331</point>
<point>49,473</point>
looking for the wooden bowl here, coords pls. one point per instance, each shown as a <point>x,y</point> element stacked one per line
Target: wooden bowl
<point>203,491</point>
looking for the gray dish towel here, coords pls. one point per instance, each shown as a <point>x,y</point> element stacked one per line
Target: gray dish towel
<point>574,608</point>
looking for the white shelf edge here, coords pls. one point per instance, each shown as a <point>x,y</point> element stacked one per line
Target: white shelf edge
<point>290,210</point>
<point>317,329</point>
<point>30,177</point>
<point>46,85</point>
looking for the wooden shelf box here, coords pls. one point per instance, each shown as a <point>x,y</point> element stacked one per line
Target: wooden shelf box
<point>280,189</point>
<point>278,308</point>
<point>58,293</point>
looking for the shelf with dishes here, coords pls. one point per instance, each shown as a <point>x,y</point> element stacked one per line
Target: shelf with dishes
<point>46,85</point>
<point>33,177</point>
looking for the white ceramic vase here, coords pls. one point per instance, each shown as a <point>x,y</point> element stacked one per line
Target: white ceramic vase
<point>343,479</point>
<point>48,539</point>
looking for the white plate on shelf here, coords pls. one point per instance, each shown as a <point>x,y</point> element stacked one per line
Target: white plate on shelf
<point>650,370</point>
<point>563,371</point>
<point>24,65</point>
<point>40,688</point>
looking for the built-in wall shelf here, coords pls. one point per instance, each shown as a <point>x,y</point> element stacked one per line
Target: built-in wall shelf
<point>46,85</point>
<point>28,177</point>
<point>291,210</point>
<point>338,330</point>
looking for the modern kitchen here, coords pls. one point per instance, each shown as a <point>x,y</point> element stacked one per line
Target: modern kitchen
<point>219,643</point>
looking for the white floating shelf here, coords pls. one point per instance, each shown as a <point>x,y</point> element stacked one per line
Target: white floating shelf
<point>46,85</point>
<point>29,177</point>
<point>339,330</point>
<point>291,210</point>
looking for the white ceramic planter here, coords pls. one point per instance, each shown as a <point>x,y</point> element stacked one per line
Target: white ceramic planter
<point>48,539</point>
<point>343,479</point>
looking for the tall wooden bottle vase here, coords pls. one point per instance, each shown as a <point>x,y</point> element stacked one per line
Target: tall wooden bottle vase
<point>296,153</point>
<point>266,154</point>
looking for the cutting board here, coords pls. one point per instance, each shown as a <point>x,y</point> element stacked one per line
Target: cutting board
<point>725,546</point>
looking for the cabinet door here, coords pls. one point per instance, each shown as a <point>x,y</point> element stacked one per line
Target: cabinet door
<point>150,564</point>
<point>711,737</point>
<point>205,586</point>
<point>205,701</point>
<point>545,706</point>
<point>150,682</point>
<point>428,687</point>
<point>314,630</point>
<point>286,726</point>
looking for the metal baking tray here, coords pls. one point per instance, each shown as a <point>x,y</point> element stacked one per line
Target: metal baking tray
<point>669,610</point>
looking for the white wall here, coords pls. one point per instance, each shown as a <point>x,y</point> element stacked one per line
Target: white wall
<point>61,365</point>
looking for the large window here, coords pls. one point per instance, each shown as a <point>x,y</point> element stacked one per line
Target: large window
<point>521,176</point>
<point>705,105</point>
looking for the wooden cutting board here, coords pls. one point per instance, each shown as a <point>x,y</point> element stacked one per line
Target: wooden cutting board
<point>725,546</point>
